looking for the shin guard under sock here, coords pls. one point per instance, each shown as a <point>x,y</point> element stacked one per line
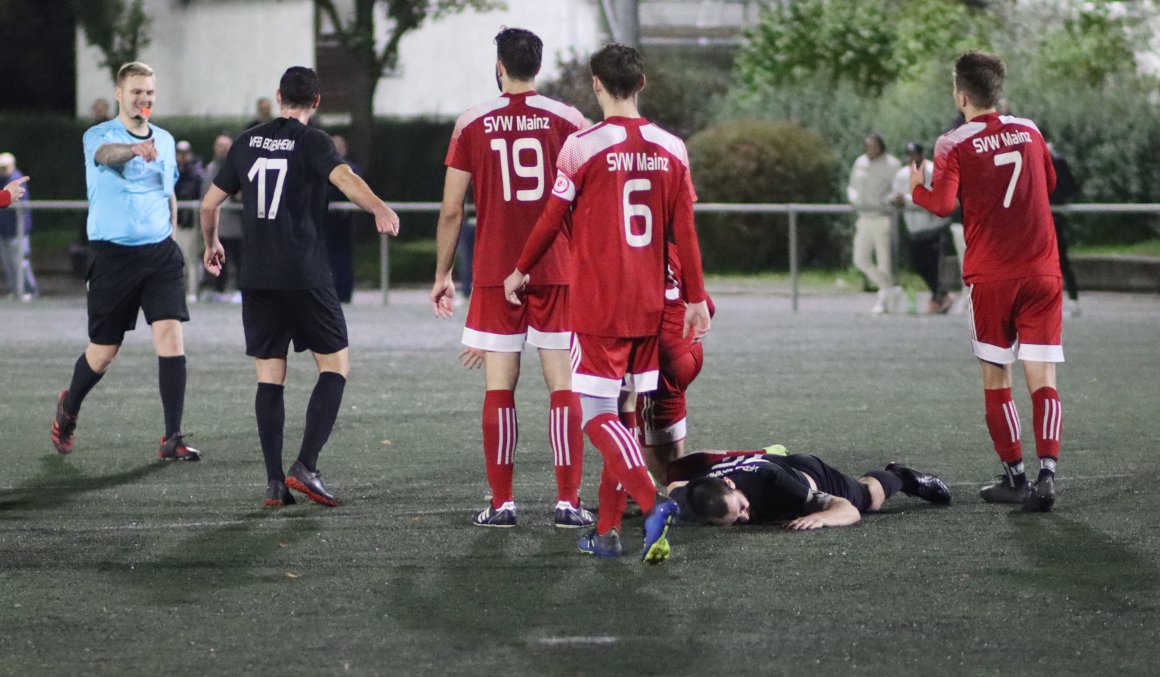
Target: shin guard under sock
<point>171,379</point>
<point>566,435</point>
<point>500,434</point>
<point>83,380</point>
<point>270,411</point>
<point>1047,416</point>
<point>622,458</point>
<point>321,414</point>
<point>1003,425</point>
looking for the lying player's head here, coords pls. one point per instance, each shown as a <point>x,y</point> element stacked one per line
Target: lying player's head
<point>978,80</point>
<point>716,501</point>
<point>619,69</point>
<point>520,51</point>
<point>299,88</point>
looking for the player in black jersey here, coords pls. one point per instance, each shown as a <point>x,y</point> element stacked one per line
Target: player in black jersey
<point>753,487</point>
<point>283,168</point>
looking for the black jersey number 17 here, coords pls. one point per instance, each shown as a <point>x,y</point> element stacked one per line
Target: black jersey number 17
<point>258,172</point>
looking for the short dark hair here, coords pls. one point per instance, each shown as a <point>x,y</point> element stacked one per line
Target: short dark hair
<point>878,140</point>
<point>299,87</point>
<point>706,498</point>
<point>980,75</point>
<point>620,68</point>
<point>520,51</point>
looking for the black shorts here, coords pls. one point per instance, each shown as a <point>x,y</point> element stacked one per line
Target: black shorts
<point>122,279</point>
<point>312,318</point>
<point>830,480</point>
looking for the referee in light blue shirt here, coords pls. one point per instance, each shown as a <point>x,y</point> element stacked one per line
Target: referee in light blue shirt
<point>131,168</point>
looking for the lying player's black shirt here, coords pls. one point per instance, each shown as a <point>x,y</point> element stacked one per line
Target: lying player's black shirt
<point>283,169</point>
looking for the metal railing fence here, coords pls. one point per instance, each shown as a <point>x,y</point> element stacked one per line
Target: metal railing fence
<point>792,210</point>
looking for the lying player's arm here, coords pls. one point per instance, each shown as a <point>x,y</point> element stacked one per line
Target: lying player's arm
<point>539,241</point>
<point>215,253</point>
<point>357,191</point>
<point>835,512</point>
<point>117,155</point>
<point>447,236</point>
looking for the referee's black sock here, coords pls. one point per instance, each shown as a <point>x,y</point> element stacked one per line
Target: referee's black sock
<point>83,380</point>
<point>891,482</point>
<point>270,410</point>
<point>320,416</point>
<point>171,377</point>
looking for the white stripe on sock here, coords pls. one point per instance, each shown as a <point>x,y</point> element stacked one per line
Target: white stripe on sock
<point>624,452</point>
<point>1012,417</point>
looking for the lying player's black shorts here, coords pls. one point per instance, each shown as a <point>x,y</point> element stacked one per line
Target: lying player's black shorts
<point>831,481</point>
<point>312,318</point>
<point>123,278</point>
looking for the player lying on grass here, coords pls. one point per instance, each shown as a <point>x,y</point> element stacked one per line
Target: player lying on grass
<point>723,488</point>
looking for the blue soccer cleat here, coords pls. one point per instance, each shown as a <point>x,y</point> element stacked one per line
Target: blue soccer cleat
<point>656,531</point>
<point>607,545</point>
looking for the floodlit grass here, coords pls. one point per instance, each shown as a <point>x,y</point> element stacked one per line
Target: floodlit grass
<point>114,563</point>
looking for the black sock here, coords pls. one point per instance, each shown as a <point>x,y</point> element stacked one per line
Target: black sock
<point>171,377</point>
<point>83,380</point>
<point>270,410</point>
<point>891,482</point>
<point>1016,473</point>
<point>320,416</point>
<point>1046,468</point>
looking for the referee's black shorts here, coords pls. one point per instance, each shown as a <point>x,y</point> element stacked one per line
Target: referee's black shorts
<point>832,481</point>
<point>124,278</point>
<point>311,318</point>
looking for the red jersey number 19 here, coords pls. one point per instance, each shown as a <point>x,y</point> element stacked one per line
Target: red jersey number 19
<point>631,211</point>
<point>515,161</point>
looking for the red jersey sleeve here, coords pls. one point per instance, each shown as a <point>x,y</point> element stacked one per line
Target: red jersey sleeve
<point>459,150</point>
<point>5,198</point>
<point>688,248</point>
<point>543,234</point>
<point>940,199</point>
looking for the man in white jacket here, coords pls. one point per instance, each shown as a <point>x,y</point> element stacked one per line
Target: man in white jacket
<point>869,192</point>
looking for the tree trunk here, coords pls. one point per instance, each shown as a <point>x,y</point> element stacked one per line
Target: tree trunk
<point>362,118</point>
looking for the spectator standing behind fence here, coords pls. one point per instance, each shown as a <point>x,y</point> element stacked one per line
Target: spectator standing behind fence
<point>229,228</point>
<point>339,232</point>
<point>869,192</point>
<point>99,111</point>
<point>14,250</point>
<point>188,187</point>
<point>927,232</point>
<point>1066,188</point>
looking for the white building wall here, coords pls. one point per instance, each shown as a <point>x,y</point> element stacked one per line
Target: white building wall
<point>449,65</point>
<point>212,57</point>
<point>217,57</point>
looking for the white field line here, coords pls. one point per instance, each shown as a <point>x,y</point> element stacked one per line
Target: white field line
<point>582,641</point>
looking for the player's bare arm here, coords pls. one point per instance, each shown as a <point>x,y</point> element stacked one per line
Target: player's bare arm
<point>838,512</point>
<point>173,216</point>
<point>513,285</point>
<point>472,358</point>
<point>16,188</point>
<point>358,192</point>
<point>455,186</point>
<point>215,253</point>
<point>117,155</point>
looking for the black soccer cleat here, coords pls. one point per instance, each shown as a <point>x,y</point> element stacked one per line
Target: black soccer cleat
<point>1002,491</point>
<point>310,483</point>
<point>503,517</point>
<point>63,427</point>
<point>278,495</point>
<point>1041,497</point>
<point>568,516</point>
<point>922,485</point>
<point>175,449</point>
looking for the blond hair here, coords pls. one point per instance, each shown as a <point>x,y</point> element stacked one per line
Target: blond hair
<point>131,69</point>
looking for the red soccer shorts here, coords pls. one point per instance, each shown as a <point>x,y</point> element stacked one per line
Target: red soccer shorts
<point>663,412</point>
<point>1017,319</point>
<point>602,364</point>
<point>495,325</point>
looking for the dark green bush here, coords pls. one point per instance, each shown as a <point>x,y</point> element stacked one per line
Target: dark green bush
<point>762,161</point>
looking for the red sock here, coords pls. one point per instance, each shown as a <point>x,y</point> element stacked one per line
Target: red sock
<point>613,500</point>
<point>500,434</point>
<point>1003,424</point>
<point>1047,414</point>
<point>622,459</point>
<point>567,438</point>
<point>631,423</point>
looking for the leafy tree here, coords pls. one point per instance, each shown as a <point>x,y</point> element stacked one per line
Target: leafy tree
<point>369,60</point>
<point>119,28</point>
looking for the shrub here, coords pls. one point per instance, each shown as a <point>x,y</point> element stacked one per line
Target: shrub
<point>762,161</point>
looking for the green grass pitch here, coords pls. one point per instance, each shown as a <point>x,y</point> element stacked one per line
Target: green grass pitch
<point>114,563</point>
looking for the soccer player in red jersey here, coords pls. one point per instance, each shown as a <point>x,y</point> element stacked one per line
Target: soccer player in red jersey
<point>628,186</point>
<point>507,149</point>
<point>999,168</point>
